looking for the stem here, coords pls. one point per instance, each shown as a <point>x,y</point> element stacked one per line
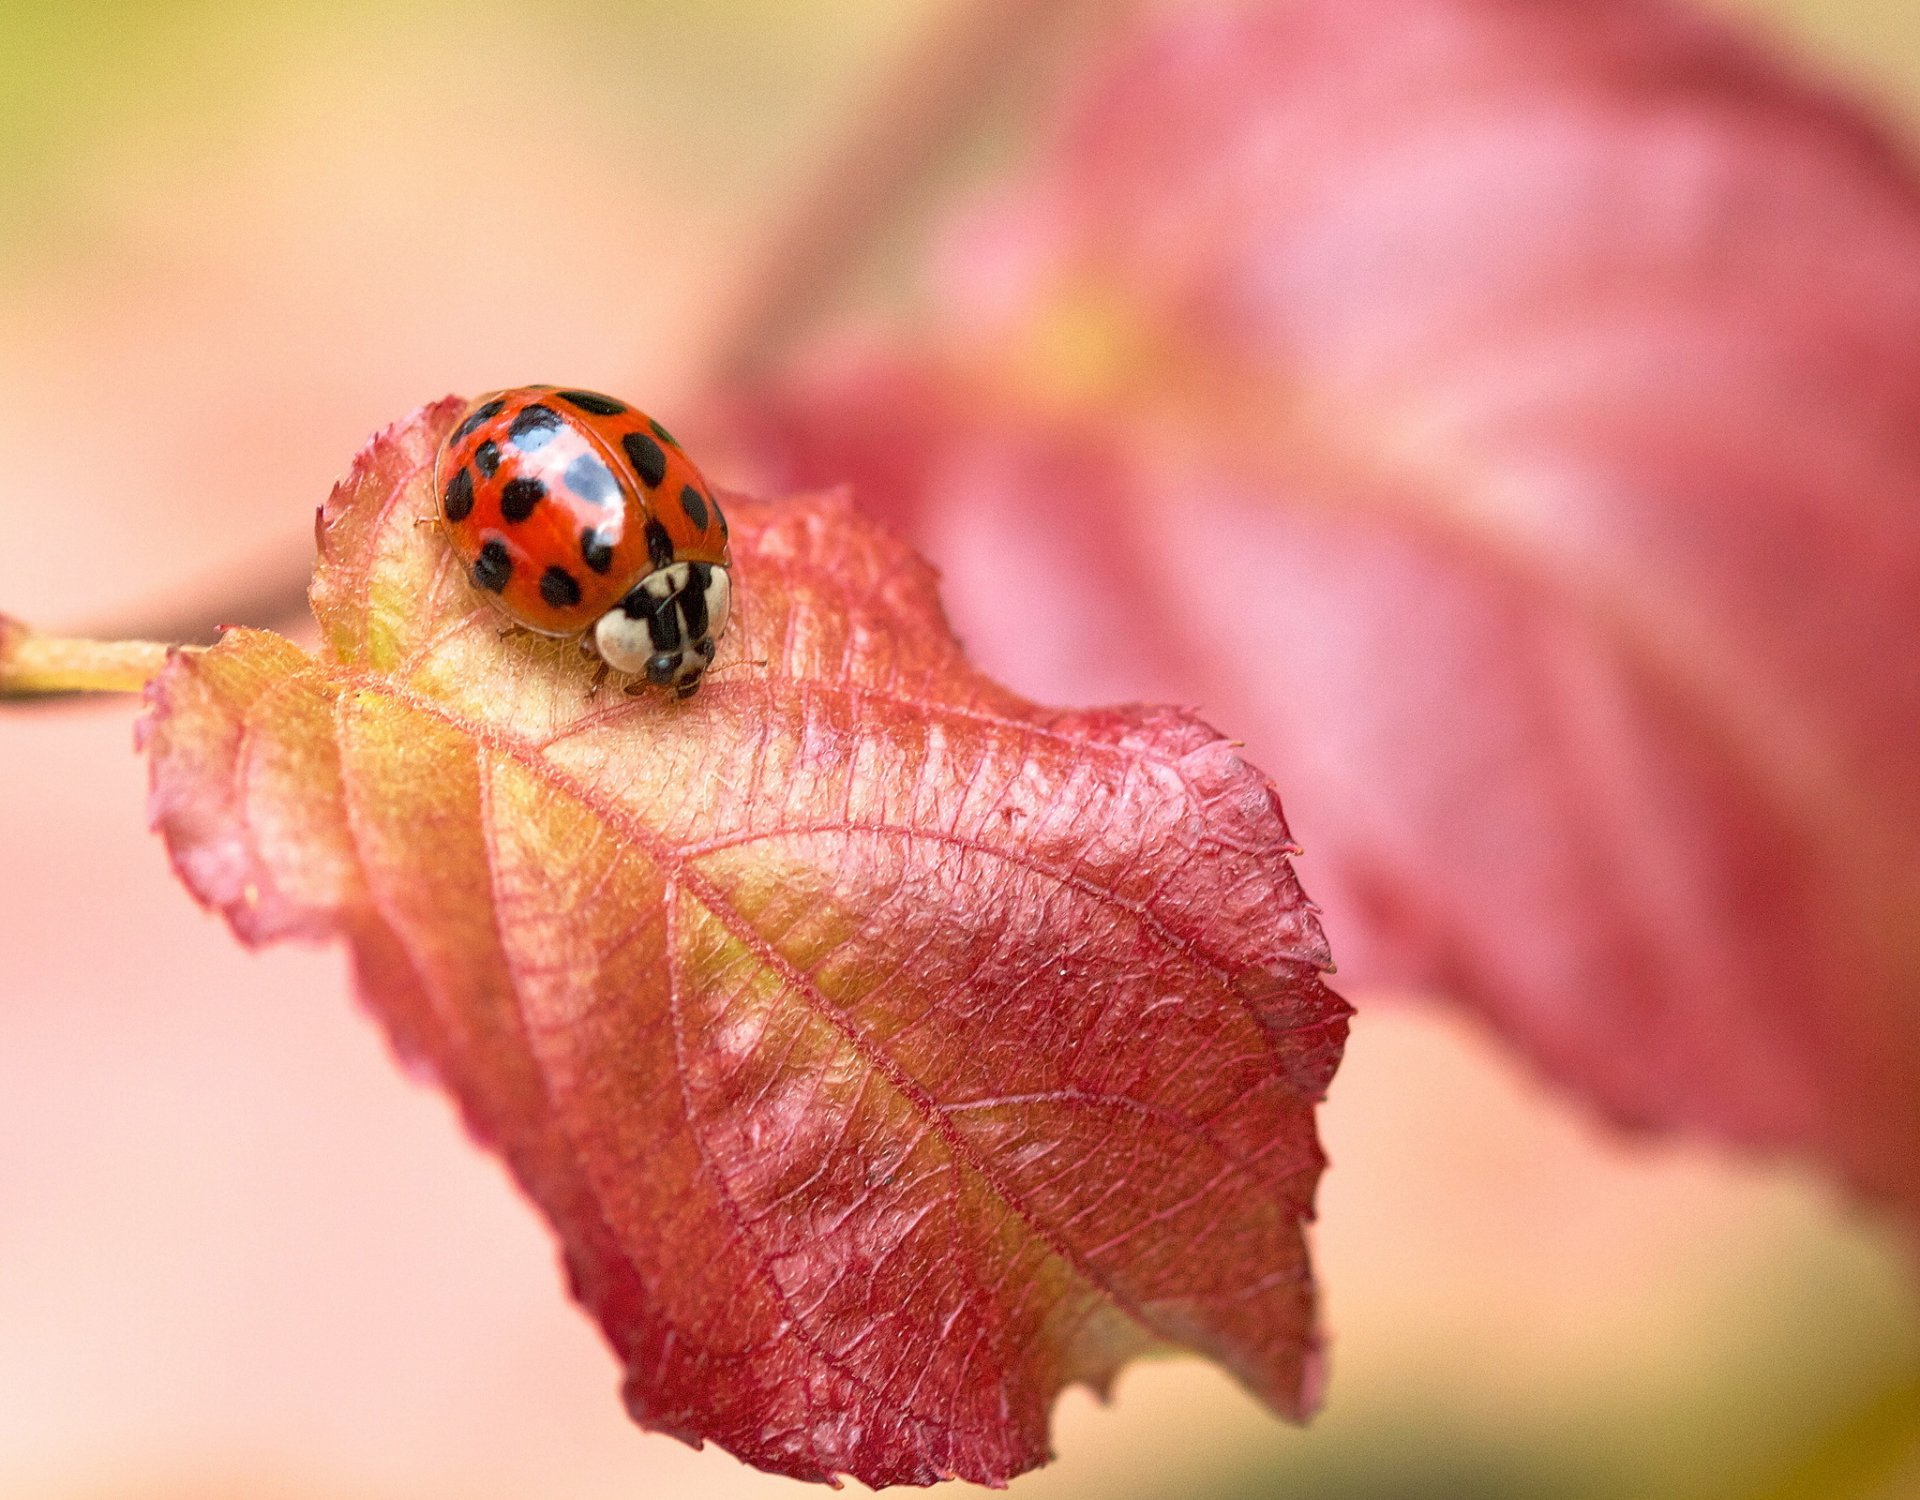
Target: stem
<point>42,666</point>
<point>874,174</point>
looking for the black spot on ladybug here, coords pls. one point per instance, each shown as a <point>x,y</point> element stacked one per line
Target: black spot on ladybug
<point>661,432</point>
<point>718,515</point>
<point>694,506</point>
<point>593,401</point>
<point>693,605</point>
<point>533,428</point>
<point>486,458</point>
<point>592,480</point>
<point>493,567</point>
<point>485,412</point>
<point>648,458</point>
<point>519,496</point>
<point>559,588</point>
<point>663,623</point>
<point>594,551</point>
<point>659,544</point>
<point>664,626</point>
<point>457,503</point>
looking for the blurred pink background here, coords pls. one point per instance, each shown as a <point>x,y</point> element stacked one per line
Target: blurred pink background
<point>240,1255</point>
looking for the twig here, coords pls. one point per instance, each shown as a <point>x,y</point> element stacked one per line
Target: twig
<point>912,125</point>
<point>44,666</point>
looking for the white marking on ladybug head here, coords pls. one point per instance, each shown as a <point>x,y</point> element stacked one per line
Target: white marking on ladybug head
<point>623,642</point>
<point>719,602</point>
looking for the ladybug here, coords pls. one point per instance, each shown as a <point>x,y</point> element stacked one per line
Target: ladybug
<point>579,516</point>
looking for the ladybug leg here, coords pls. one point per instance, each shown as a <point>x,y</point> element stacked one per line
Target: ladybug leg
<point>513,632</point>
<point>599,680</point>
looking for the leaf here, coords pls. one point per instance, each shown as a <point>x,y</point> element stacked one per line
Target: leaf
<point>888,1052</point>
<point>1503,415</point>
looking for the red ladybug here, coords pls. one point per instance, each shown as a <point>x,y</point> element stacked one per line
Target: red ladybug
<point>579,516</point>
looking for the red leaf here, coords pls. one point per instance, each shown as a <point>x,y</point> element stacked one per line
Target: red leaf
<point>887,1052</point>
<point>1504,414</point>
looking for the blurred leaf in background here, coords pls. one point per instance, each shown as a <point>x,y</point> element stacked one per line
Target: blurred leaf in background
<point>1501,415</point>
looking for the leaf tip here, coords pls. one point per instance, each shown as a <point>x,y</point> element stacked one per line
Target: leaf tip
<point>1312,1391</point>
<point>374,464</point>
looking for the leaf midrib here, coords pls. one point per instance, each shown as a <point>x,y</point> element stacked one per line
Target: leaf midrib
<point>669,858</point>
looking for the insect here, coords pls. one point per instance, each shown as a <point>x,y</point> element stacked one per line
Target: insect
<point>578,516</point>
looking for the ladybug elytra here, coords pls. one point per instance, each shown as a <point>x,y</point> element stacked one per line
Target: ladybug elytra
<point>579,516</point>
